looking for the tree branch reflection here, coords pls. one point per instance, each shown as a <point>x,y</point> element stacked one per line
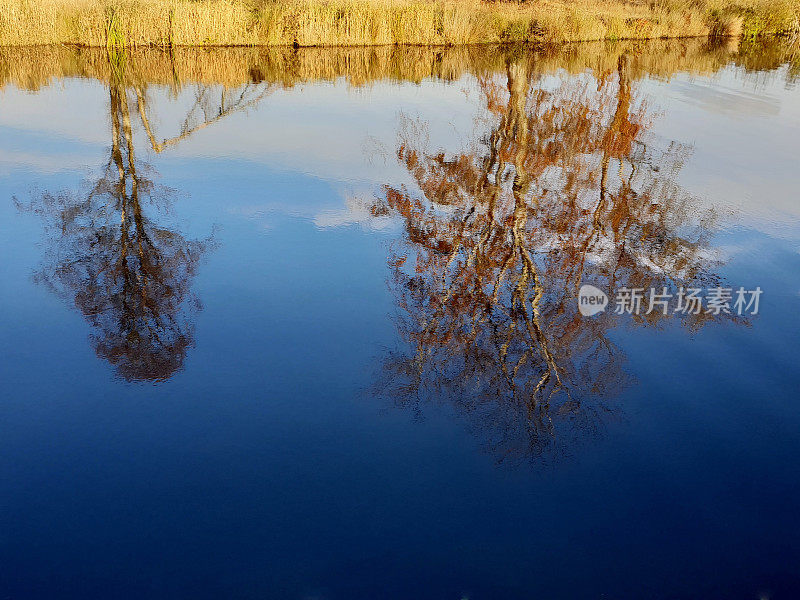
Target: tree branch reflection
<point>129,275</point>
<point>564,188</point>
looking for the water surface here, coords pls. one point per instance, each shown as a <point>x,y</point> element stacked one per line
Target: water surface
<point>304,324</point>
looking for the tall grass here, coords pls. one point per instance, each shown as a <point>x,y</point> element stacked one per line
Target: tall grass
<point>378,22</point>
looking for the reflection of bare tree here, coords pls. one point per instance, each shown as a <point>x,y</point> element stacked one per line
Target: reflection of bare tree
<point>128,275</point>
<point>563,190</point>
<point>210,105</point>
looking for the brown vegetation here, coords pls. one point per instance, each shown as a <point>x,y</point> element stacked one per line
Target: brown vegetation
<point>381,22</point>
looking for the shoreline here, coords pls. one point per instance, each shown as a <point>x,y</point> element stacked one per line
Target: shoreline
<point>354,23</point>
<point>506,44</point>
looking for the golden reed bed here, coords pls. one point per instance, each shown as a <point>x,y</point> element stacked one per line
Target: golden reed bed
<point>382,22</point>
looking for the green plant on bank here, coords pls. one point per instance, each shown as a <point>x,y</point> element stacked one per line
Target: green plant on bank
<point>778,18</point>
<point>751,19</point>
<point>115,49</point>
<point>115,37</point>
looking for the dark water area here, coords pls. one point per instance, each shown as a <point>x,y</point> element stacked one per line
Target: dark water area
<point>314,324</point>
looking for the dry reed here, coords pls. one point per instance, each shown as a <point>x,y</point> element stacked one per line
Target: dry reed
<point>379,22</point>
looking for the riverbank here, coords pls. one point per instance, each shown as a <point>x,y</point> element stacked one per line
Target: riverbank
<point>383,22</point>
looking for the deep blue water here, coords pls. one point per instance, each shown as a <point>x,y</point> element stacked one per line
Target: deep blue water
<point>272,452</point>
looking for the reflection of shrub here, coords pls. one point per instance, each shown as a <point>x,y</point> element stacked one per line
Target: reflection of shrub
<point>32,67</point>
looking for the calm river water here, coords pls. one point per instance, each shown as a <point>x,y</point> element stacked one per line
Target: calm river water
<point>307,324</point>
